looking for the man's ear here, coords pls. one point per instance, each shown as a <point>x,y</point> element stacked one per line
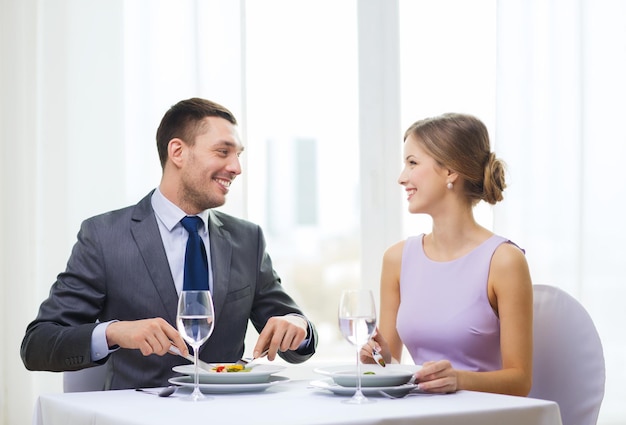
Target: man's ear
<point>175,151</point>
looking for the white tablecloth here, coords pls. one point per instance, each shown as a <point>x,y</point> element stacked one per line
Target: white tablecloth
<point>294,402</point>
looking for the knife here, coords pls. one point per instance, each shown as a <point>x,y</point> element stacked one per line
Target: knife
<point>201,364</point>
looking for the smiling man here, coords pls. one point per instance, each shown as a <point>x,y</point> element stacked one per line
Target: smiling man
<point>116,301</point>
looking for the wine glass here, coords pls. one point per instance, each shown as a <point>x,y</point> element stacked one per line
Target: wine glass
<point>195,325</point>
<point>357,322</point>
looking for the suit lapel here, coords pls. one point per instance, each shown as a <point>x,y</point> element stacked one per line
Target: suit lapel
<point>221,252</point>
<point>146,233</point>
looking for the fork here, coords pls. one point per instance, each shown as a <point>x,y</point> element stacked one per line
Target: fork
<point>248,362</point>
<point>395,397</point>
<point>414,391</point>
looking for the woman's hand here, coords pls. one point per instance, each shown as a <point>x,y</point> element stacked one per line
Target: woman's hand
<point>437,377</point>
<point>379,344</point>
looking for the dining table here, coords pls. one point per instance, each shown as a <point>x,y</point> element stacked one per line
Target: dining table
<point>294,400</point>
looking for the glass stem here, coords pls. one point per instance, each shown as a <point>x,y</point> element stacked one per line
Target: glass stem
<point>196,384</point>
<point>358,371</point>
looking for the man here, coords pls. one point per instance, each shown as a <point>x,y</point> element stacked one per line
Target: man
<point>116,302</point>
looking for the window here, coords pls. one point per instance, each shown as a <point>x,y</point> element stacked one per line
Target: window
<point>302,150</point>
<point>448,64</point>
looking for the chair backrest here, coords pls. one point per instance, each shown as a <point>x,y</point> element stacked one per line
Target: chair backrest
<point>568,360</point>
<point>90,379</point>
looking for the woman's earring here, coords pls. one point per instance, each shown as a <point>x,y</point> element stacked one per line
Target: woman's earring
<point>450,185</point>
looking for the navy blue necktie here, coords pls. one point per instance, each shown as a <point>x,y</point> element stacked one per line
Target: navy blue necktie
<point>196,267</point>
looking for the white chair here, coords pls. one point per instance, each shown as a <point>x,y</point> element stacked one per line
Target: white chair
<point>90,379</point>
<point>568,360</point>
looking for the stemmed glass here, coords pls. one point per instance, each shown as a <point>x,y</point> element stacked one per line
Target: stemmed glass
<point>357,322</point>
<point>195,325</point>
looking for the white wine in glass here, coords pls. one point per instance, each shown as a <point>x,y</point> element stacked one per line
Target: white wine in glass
<point>194,320</point>
<point>357,322</point>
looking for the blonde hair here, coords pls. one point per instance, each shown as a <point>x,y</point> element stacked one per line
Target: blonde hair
<point>460,142</point>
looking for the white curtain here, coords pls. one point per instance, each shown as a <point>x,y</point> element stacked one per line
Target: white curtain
<point>84,85</point>
<point>560,118</point>
<point>60,121</point>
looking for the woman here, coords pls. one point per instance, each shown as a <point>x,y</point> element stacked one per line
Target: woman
<point>460,297</point>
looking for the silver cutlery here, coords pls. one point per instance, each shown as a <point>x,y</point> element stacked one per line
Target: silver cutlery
<point>378,358</point>
<point>165,392</point>
<point>414,392</point>
<point>249,362</point>
<point>202,365</point>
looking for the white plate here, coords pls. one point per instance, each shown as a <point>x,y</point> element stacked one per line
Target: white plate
<point>395,391</point>
<point>187,381</point>
<point>259,374</point>
<point>371,375</point>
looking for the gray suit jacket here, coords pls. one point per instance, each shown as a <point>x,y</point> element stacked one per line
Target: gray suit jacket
<point>118,270</point>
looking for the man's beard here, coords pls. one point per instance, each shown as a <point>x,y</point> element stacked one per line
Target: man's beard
<point>202,200</point>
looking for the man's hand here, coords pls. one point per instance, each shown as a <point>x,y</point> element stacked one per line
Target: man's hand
<point>150,336</point>
<point>281,333</point>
